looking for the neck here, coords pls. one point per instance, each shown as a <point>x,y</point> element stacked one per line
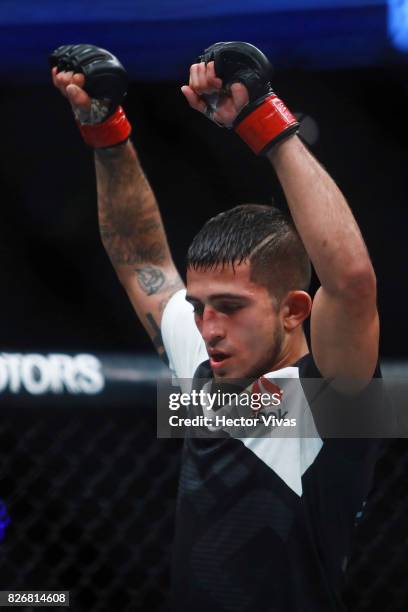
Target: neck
<point>292,351</point>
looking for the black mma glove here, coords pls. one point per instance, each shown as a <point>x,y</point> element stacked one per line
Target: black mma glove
<point>106,83</point>
<point>265,120</point>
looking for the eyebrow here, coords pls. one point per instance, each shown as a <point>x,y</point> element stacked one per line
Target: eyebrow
<point>219,296</point>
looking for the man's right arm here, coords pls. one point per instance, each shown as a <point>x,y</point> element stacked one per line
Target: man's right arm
<point>130,223</point>
<point>133,235</point>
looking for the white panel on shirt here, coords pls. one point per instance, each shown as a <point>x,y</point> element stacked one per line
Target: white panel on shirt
<point>184,345</point>
<point>288,457</point>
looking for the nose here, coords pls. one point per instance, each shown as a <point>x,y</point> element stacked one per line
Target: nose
<point>211,326</point>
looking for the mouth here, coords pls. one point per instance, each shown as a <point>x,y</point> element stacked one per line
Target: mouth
<point>217,359</point>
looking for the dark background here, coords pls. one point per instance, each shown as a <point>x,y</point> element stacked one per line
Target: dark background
<point>59,289</point>
<point>89,490</point>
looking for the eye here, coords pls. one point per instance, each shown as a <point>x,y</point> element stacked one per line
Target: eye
<point>228,307</point>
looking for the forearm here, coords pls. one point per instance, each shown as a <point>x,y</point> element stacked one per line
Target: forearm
<point>130,223</point>
<point>323,219</point>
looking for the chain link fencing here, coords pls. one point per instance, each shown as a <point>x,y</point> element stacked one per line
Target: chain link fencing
<point>89,493</point>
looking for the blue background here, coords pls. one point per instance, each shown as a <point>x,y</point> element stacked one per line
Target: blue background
<point>157,39</point>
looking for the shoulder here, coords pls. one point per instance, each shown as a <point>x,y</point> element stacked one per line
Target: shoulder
<point>184,345</point>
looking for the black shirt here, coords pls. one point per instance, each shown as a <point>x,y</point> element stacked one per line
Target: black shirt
<point>247,540</point>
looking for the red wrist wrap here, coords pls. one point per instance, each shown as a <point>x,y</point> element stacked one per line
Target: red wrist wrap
<point>114,130</point>
<point>267,124</point>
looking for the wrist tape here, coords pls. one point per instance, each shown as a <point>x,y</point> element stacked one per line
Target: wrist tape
<point>114,130</point>
<point>266,122</point>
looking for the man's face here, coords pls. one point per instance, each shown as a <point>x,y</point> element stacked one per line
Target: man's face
<point>237,319</point>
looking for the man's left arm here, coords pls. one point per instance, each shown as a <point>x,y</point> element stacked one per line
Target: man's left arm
<point>344,320</point>
<point>231,85</point>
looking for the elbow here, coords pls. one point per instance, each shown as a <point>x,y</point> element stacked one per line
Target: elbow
<point>360,283</point>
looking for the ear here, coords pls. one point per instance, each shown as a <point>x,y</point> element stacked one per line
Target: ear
<point>295,308</point>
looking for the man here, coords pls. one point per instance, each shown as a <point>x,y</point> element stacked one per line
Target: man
<point>264,524</point>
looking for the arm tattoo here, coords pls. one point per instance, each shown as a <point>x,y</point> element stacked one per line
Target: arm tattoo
<point>150,279</point>
<point>153,281</point>
<point>132,231</point>
<point>130,224</point>
<point>121,253</point>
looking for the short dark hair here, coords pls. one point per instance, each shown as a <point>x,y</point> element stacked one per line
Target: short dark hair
<point>262,235</point>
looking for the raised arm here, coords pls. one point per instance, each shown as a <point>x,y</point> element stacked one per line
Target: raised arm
<point>133,235</point>
<point>130,223</point>
<point>344,320</point>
